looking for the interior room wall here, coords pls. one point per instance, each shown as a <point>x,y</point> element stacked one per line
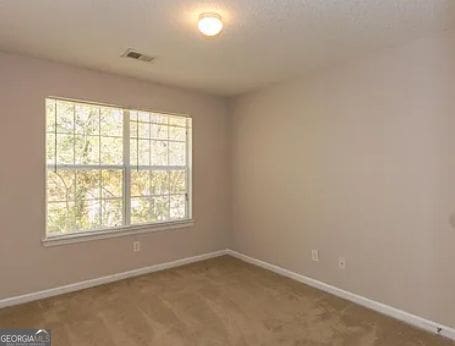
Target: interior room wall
<point>355,160</point>
<point>27,266</point>
<point>358,161</point>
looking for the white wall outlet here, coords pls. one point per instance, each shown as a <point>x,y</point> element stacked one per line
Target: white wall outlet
<point>136,246</point>
<point>342,263</point>
<point>315,255</point>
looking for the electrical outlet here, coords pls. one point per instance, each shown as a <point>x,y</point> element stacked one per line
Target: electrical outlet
<point>136,246</point>
<point>342,263</point>
<point>315,255</point>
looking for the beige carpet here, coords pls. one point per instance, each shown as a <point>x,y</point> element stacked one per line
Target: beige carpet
<point>222,301</point>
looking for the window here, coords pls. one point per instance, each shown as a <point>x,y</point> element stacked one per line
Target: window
<point>113,168</point>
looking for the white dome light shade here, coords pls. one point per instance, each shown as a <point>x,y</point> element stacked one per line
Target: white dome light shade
<point>210,24</point>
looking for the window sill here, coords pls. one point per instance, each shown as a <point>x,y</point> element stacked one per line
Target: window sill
<point>115,232</point>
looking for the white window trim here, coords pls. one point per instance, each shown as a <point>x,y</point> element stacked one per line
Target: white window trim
<point>124,230</point>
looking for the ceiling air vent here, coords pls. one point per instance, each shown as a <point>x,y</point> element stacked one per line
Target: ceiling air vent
<point>132,54</point>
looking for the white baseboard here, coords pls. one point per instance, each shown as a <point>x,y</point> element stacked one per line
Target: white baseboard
<point>398,314</point>
<point>404,316</point>
<point>25,298</point>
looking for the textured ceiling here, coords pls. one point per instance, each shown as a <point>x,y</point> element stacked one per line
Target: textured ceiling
<point>264,41</point>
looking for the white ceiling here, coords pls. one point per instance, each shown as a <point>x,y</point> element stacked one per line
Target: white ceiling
<point>264,41</point>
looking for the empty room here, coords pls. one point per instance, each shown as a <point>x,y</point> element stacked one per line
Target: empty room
<point>232,172</point>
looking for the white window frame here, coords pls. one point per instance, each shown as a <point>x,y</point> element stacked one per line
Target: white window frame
<point>127,167</point>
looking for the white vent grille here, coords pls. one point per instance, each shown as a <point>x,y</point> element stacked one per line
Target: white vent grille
<point>133,54</point>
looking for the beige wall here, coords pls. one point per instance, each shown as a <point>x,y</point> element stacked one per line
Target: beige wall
<point>27,266</point>
<point>356,161</point>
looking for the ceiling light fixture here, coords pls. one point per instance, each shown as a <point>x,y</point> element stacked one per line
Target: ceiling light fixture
<point>210,24</point>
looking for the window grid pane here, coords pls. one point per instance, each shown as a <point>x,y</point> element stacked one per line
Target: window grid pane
<point>156,129</point>
<point>88,165</point>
